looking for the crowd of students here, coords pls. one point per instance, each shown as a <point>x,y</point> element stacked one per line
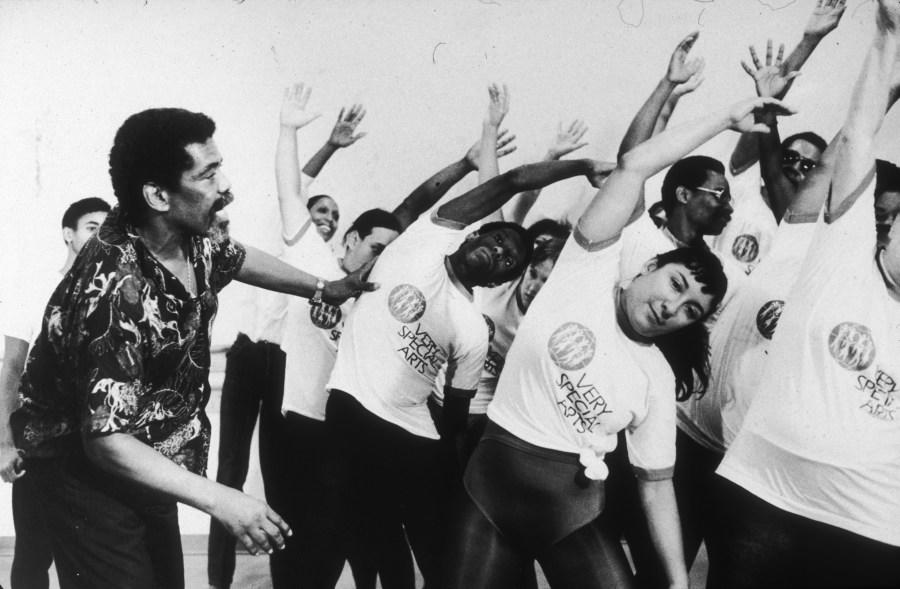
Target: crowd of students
<point>446,382</point>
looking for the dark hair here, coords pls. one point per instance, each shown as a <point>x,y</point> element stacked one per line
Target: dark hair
<point>690,172</point>
<point>82,207</point>
<point>149,148</point>
<point>808,136</point>
<point>887,177</point>
<point>527,244</point>
<point>555,229</point>
<point>366,222</point>
<point>687,349</point>
<point>312,200</point>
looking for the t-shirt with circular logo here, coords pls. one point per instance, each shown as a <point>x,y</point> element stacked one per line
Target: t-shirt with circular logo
<point>397,338</point>
<point>822,436</point>
<point>573,379</point>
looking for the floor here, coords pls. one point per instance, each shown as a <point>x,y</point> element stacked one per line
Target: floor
<point>251,572</point>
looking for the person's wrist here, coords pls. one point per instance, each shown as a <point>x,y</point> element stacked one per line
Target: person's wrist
<point>467,164</point>
<point>318,295</point>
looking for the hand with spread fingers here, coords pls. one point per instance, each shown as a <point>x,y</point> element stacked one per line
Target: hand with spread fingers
<point>681,69</point>
<point>342,135</point>
<point>770,80</point>
<point>825,17</point>
<point>293,108</point>
<point>498,105</point>
<point>505,147</point>
<point>742,114</point>
<point>568,140</point>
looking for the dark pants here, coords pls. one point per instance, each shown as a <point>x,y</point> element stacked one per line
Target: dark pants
<point>764,546</point>
<point>254,385</point>
<point>33,554</point>
<point>695,468</point>
<point>386,475</point>
<point>106,532</point>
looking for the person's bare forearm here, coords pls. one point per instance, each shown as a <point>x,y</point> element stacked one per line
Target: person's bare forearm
<point>781,192</point>
<point>15,352</point>
<point>319,159</point>
<point>644,122</point>
<point>661,509</point>
<point>427,194</point>
<point>291,197</point>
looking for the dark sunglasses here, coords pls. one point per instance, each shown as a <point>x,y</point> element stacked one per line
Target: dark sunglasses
<point>791,157</point>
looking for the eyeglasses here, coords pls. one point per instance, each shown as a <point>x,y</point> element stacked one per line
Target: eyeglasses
<point>721,194</point>
<point>791,157</point>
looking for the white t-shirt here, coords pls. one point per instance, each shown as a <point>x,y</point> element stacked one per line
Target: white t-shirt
<point>398,337</point>
<point>739,340</point>
<point>311,333</point>
<point>573,379</point>
<point>822,437</point>
<point>748,236</point>
<point>501,310</point>
<point>22,310</point>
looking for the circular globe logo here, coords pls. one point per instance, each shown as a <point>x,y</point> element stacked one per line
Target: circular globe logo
<point>852,346</point>
<point>406,303</point>
<point>325,316</point>
<point>745,248</point>
<point>767,318</point>
<point>572,346</point>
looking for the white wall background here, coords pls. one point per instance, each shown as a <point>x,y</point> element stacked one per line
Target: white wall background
<point>71,71</point>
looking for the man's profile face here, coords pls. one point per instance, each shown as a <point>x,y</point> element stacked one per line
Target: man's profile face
<point>887,205</point>
<point>709,205</point>
<point>85,228</point>
<point>202,191</point>
<point>360,251</point>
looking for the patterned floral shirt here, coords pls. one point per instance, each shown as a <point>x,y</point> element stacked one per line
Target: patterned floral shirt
<point>124,348</point>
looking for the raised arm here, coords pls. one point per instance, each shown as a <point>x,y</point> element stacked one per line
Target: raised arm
<point>614,204</point>
<point>679,71</point>
<point>432,190</point>
<point>498,106</point>
<point>291,193</point>
<point>868,105</point>
<point>342,135</point>
<point>771,80</point>
<point>566,141</point>
<point>484,199</point>
<point>825,17</point>
<point>680,90</point>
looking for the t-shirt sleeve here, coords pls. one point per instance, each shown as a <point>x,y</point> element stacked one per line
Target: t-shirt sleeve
<point>466,360</point>
<point>651,440</point>
<point>227,258</point>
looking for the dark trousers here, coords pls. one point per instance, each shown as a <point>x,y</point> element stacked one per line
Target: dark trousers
<point>764,546</point>
<point>386,475</point>
<point>106,532</point>
<point>33,554</point>
<point>254,385</point>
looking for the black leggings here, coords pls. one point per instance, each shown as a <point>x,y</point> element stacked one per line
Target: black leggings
<point>764,546</point>
<point>480,557</point>
<point>526,503</point>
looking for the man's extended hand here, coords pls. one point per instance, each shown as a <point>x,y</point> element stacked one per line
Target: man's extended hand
<point>504,147</point>
<point>10,463</point>
<point>770,80</point>
<point>599,172</point>
<point>680,67</point>
<point>352,285</point>
<point>251,521</point>
<point>567,140</point>
<point>825,17</point>
<point>342,133</point>
<point>293,108</point>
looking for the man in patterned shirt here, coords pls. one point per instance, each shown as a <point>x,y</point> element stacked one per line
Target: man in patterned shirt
<point>113,420</point>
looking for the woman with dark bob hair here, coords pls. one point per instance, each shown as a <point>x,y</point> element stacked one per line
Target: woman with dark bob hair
<point>594,356</point>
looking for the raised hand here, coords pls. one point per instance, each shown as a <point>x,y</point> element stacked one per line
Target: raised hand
<point>499,104</point>
<point>680,67</point>
<point>742,114</point>
<point>342,133</point>
<point>599,172</point>
<point>251,521</point>
<point>352,285</point>
<point>769,78</point>
<point>504,148</point>
<point>293,107</point>
<point>568,140</point>
<point>825,17</point>
<point>692,84</point>
<point>888,19</point>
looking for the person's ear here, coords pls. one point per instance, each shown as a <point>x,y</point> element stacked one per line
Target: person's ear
<point>471,236</point>
<point>351,240</point>
<point>650,266</point>
<point>68,235</point>
<point>682,194</point>
<point>156,197</point>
